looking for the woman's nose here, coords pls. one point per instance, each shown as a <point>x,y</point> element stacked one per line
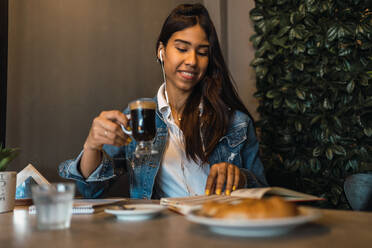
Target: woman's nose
<point>191,58</point>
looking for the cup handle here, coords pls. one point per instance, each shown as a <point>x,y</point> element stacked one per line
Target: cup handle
<point>126,131</point>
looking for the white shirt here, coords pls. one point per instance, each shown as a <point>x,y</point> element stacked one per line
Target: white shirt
<point>178,176</point>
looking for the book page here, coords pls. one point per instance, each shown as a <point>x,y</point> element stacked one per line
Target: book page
<point>287,194</point>
<point>256,193</point>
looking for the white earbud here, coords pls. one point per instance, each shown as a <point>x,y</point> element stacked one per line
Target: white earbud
<point>162,68</point>
<point>161,56</point>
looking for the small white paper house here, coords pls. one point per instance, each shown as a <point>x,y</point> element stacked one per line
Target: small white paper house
<point>27,177</point>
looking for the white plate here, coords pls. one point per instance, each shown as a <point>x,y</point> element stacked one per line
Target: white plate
<point>136,212</point>
<point>255,228</point>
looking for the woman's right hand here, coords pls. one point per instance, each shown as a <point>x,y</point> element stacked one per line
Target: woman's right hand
<point>106,129</point>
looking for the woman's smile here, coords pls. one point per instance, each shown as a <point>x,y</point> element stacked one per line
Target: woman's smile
<point>187,75</point>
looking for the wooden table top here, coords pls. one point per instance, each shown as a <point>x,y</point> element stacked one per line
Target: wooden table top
<point>334,229</point>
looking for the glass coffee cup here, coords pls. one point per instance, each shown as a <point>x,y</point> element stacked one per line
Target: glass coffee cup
<point>142,123</point>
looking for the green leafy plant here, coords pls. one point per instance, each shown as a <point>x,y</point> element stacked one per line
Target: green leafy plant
<point>312,61</point>
<point>6,156</point>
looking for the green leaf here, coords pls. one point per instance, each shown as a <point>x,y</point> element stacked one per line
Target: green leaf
<point>326,104</point>
<point>344,51</point>
<point>344,31</point>
<point>271,94</point>
<point>347,65</point>
<point>261,25</point>
<point>300,94</point>
<point>367,131</point>
<point>302,10</point>
<point>329,153</point>
<point>299,65</point>
<point>256,15</point>
<point>309,21</point>
<point>298,126</point>
<point>4,162</point>
<point>363,152</point>
<point>364,80</point>
<point>339,150</point>
<point>290,104</point>
<point>280,41</point>
<point>315,119</point>
<point>283,31</point>
<point>285,88</point>
<point>336,189</point>
<point>337,121</point>
<point>261,71</point>
<point>257,61</point>
<point>261,51</point>
<point>314,165</point>
<point>309,2</point>
<point>317,151</point>
<point>256,40</point>
<point>296,32</point>
<point>292,17</point>
<point>6,156</point>
<point>350,87</point>
<point>301,107</point>
<point>273,22</point>
<point>332,33</point>
<point>352,165</point>
<point>280,2</point>
<point>300,48</point>
<point>296,165</point>
<point>277,102</point>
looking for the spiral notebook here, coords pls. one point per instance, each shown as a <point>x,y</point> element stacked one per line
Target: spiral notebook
<point>89,206</point>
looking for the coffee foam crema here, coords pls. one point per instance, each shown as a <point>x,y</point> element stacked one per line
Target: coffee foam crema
<point>147,104</point>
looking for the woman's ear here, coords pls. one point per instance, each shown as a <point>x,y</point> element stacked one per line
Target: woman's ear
<point>161,52</point>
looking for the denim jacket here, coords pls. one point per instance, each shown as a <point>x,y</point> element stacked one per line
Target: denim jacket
<point>239,147</point>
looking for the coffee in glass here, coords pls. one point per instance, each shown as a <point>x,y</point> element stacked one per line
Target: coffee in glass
<point>142,118</point>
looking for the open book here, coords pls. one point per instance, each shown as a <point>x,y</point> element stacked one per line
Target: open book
<point>89,206</point>
<point>184,205</point>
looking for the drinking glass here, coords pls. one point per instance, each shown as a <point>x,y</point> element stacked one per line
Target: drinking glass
<point>142,122</point>
<point>53,205</point>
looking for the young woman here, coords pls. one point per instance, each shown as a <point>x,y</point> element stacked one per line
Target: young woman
<point>205,135</point>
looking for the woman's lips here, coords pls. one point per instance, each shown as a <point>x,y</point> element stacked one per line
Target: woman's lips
<point>187,75</point>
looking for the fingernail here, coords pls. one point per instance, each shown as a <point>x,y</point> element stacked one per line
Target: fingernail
<point>234,187</point>
<point>128,140</point>
<point>207,192</point>
<point>227,192</point>
<point>218,191</point>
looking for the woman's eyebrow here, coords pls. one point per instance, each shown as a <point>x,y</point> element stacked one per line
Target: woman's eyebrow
<point>189,43</point>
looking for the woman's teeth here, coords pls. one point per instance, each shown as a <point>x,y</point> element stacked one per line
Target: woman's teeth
<point>188,74</point>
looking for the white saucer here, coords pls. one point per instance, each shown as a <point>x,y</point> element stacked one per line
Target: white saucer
<point>136,212</point>
<point>255,228</point>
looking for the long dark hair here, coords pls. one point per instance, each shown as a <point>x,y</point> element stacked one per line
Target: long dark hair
<point>215,90</point>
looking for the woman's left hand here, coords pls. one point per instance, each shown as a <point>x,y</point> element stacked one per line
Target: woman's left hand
<point>221,174</point>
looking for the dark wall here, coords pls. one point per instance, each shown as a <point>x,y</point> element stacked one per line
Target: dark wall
<point>68,61</point>
<point>3,66</point>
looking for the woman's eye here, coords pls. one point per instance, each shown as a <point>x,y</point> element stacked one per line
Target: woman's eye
<point>182,50</point>
<point>203,53</point>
